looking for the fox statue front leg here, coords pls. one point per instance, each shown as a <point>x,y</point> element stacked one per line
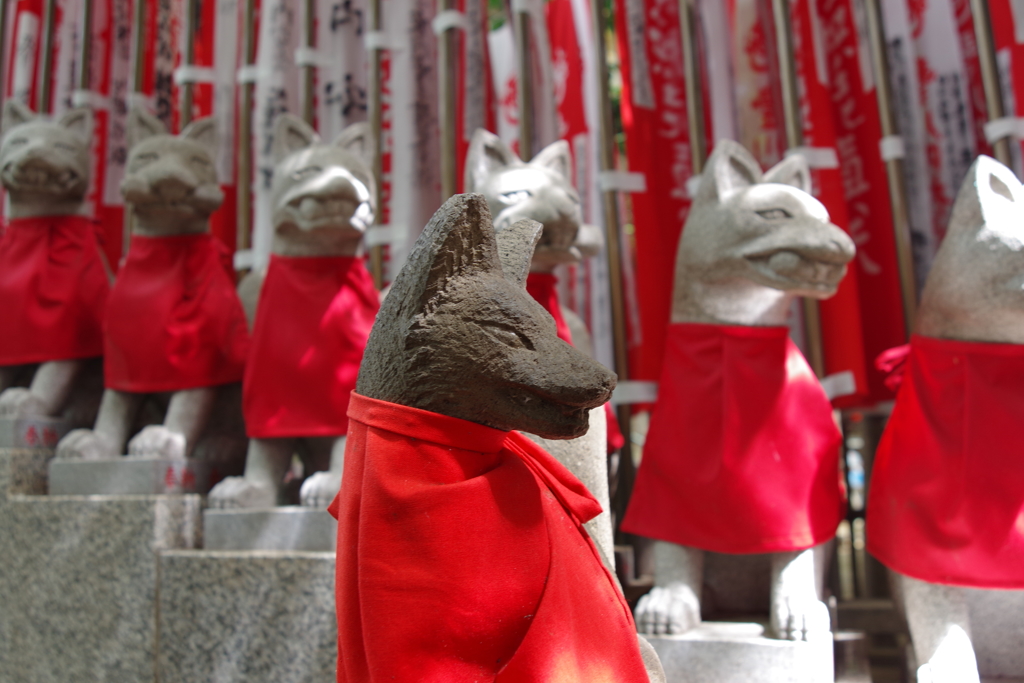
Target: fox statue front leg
<point>673,605</point>
<point>798,578</point>
<point>48,394</point>
<point>260,486</point>
<point>187,416</point>
<point>107,438</point>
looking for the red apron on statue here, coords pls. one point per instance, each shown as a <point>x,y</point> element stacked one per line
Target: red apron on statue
<point>543,288</point>
<point>313,320</point>
<point>946,502</point>
<point>173,319</point>
<point>53,287</point>
<point>462,557</point>
<point>742,455</point>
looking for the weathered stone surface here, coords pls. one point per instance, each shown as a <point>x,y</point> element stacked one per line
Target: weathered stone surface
<point>280,528</point>
<point>78,584</point>
<point>727,652</point>
<point>128,476</point>
<point>258,617</point>
<point>997,632</point>
<point>23,471</point>
<point>32,432</point>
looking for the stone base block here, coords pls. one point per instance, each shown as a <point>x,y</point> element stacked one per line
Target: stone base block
<point>731,652</point>
<point>34,432</point>
<point>281,528</point>
<point>78,584</point>
<point>258,617</point>
<point>128,476</point>
<point>997,632</point>
<point>23,471</point>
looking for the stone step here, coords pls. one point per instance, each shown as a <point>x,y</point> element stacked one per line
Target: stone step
<point>128,476</point>
<point>289,527</point>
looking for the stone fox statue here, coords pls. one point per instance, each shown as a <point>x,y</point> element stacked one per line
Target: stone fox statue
<point>316,306</point>
<point>469,531</point>
<point>53,278</point>
<point>174,324</point>
<point>541,190</point>
<point>742,452</point>
<point>947,488</point>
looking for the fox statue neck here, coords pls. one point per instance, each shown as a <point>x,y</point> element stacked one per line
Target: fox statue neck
<point>731,302</point>
<point>158,228</point>
<point>52,207</point>
<point>311,246</point>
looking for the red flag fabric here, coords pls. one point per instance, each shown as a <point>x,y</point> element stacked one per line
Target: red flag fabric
<point>53,289</point>
<point>462,557</point>
<point>312,323</point>
<point>946,502</point>
<point>173,319</point>
<point>742,455</point>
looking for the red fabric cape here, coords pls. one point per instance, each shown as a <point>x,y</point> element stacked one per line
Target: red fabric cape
<point>173,319</point>
<point>53,287</point>
<point>312,323</point>
<point>462,557</point>
<point>543,288</point>
<point>946,501</point>
<point>742,455</point>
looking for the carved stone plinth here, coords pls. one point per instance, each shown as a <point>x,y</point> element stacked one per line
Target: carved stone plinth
<point>728,652</point>
<point>997,632</point>
<point>33,432</point>
<point>281,528</point>
<point>128,476</point>
<point>258,617</point>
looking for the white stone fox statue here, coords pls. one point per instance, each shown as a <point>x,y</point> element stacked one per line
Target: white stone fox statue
<point>174,325</point>
<point>316,306</point>
<point>742,452</point>
<point>53,278</point>
<point>947,487</point>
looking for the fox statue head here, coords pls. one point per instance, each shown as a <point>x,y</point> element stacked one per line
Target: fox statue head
<point>754,241</point>
<point>459,335</point>
<point>45,165</point>
<point>540,190</point>
<point>323,194</point>
<point>975,290</point>
<point>170,180</point>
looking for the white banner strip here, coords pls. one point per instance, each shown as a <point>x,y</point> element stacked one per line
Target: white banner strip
<point>448,19</point>
<point>1008,126</point>
<point>194,74</point>
<point>140,100</point>
<point>379,235</point>
<point>621,181</point>
<point>250,73</point>
<point>308,56</point>
<point>377,40</point>
<point>89,98</point>
<point>817,157</point>
<point>839,384</point>
<point>522,7</point>
<point>628,393</point>
<point>892,147</point>
<point>244,259</point>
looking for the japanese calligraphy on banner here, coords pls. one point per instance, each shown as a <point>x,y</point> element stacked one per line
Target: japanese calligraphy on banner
<point>342,68</point>
<point>502,49</point>
<point>475,95</point>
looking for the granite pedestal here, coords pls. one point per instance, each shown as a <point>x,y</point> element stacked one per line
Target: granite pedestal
<point>33,432</point>
<point>281,528</point>
<point>737,652</point>
<point>128,476</point>
<point>258,617</point>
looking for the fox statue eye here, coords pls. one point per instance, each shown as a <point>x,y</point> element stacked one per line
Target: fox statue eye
<point>66,147</point>
<point>516,196</point>
<point>307,172</point>
<point>18,141</point>
<point>774,214</point>
<point>507,335</point>
<point>147,157</point>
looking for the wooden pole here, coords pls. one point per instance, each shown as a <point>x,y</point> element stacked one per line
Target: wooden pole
<point>694,89</point>
<point>795,138</point>
<point>138,74</point>
<point>447,57</point>
<point>309,70</point>
<point>990,76</point>
<point>893,164</point>
<point>192,10</point>
<point>46,75</point>
<point>375,106</point>
<point>522,25</point>
<point>4,9</point>
<point>85,56</point>
<point>243,238</point>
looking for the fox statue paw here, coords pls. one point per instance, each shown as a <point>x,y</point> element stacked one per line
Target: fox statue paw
<point>20,402</point>
<point>800,619</point>
<point>319,489</point>
<point>85,444</point>
<point>157,441</point>
<point>239,492</point>
<point>668,610</point>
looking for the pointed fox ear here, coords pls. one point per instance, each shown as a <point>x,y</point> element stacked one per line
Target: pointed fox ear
<point>487,154</point>
<point>731,168</point>
<point>78,121</point>
<point>203,131</point>
<point>290,135</point>
<point>141,125</point>
<point>515,249</point>
<point>555,157</point>
<point>991,195</point>
<point>356,140</point>
<point>15,114</point>
<point>793,170</point>
<point>461,243</point>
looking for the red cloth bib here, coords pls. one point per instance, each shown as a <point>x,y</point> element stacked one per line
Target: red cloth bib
<point>946,502</point>
<point>53,287</point>
<point>173,320</point>
<point>462,557</point>
<point>742,455</point>
<point>313,320</point>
